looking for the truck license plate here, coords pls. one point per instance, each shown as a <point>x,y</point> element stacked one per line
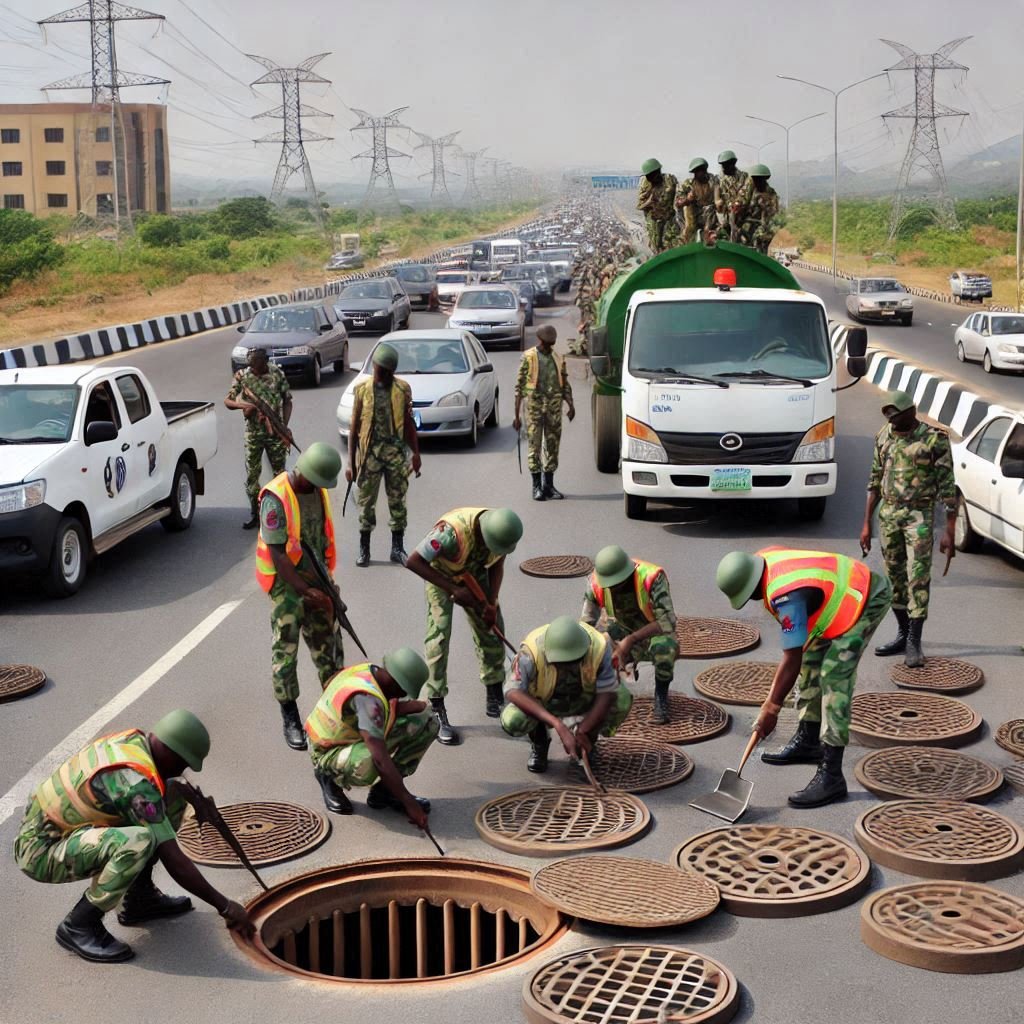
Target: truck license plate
<point>731,478</point>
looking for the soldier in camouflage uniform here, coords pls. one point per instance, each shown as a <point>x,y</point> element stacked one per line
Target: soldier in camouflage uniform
<point>266,381</point>
<point>656,201</point>
<point>729,195</point>
<point>108,814</point>
<point>544,381</point>
<point>380,435</point>
<point>827,606</point>
<point>911,470</point>
<point>695,201</point>
<point>760,217</point>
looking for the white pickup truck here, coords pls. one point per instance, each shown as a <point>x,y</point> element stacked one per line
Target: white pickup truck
<point>88,457</point>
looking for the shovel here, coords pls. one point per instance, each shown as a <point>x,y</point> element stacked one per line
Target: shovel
<point>732,795</point>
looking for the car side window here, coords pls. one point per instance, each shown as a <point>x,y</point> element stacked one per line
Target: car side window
<point>133,394</point>
<point>478,349</point>
<point>986,443</point>
<point>1013,452</point>
<point>101,406</point>
<point>983,324</point>
<point>972,321</point>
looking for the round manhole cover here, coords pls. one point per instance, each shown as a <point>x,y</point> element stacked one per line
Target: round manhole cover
<point>777,870</point>
<point>635,765</point>
<point>269,833</point>
<point>1010,736</point>
<point>941,839</point>
<point>626,892</point>
<point>927,773</point>
<point>690,720</point>
<point>915,719</point>
<point>955,927</point>
<point>939,675</point>
<point>631,985</point>
<point>19,681</point>
<point>737,682</point>
<point>550,822</point>
<point>714,638</point>
<point>1015,775</point>
<point>558,566</point>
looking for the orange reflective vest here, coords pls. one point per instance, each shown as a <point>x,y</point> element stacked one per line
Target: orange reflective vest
<point>544,682</point>
<point>331,724</point>
<point>532,357</point>
<point>643,579</point>
<point>463,522</point>
<point>282,490</point>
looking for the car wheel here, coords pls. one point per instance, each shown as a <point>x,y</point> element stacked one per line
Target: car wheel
<point>341,365</point>
<point>964,536</point>
<point>182,499</point>
<point>473,437</point>
<point>636,507</point>
<point>313,375</point>
<point>960,353</point>
<point>492,420</point>
<point>810,510</point>
<point>68,555</point>
<point>986,361</point>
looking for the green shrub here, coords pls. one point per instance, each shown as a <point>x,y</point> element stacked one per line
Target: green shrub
<point>160,231</point>
<point>218,248</point>
<point>27,247</point>
<point>247,217</point>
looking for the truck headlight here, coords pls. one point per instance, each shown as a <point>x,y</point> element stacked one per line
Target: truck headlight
<point>455,398</point>
<point>643,443</point>
<point>818,444</point>
<point>240,352</point>
<point>22,496</point>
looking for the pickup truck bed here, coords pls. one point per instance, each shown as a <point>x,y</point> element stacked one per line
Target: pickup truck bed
<point>174,411</point>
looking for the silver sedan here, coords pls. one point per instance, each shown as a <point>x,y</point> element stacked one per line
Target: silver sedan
<point>880,298</point>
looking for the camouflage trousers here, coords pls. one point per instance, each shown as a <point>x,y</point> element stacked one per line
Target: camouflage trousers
<point>543,431</point>
<point>289,618</point>
<point>829,671</point>
<point>352,765</point>
<point>387,461</point>
<point>258,441</point>
<point>661,651</point>
<point>662,234</point>
<point>517,722</point>
<point>757,234</point>
<point>906,538</point>
<point>703,218</point>
<point>489,650</point>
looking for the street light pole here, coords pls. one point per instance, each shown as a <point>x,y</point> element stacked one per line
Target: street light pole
<point>1020,217</point>
<point>750,145</point>
<point>787,128</point>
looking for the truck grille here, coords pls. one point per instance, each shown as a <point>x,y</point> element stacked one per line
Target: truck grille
<point>704,449</point>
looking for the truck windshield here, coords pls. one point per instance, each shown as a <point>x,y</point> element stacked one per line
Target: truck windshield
<point>33,414</point>
<point>716,337</point>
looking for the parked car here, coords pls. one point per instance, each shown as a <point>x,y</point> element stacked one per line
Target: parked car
<point>302,340</point>
<point>969,286</point>
<point>450,284</point>
<point>996,340</point>
<point>493,313</point>
<point>880,298</point>
<point>344,261</point>
<point>527,298</point>
<point>376,306</point>
<point>418,283</point>
<point>542,276</point>
<point>454,386</point>
<point>989,469</point>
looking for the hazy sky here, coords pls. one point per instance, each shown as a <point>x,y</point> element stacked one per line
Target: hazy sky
<point>547,84</point>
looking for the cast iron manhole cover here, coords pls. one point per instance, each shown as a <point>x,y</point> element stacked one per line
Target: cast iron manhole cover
<point>1010,736</point>
<point>927,773</point>
<point>635,765</point>
<point>626,892</point>
<point>558,566</point>
<point>1015,775</point>
<point>955,927</point>
<point>269,833</point>
<point>19,681</point>
<point>941,839</point>
<point>777,870</point>
<point>737,682</point>
<point>549,822</point>
<point>713,638</point>
<point>939,675</point>
<point>916,719</point>
<point>631,985</point>
<point>690,720</point>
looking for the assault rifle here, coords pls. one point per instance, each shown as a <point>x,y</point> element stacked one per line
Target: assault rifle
<point>331,590</point>
<point>272,420</point>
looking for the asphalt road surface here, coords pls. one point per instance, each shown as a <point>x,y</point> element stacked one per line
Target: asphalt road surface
<point>177,620</point>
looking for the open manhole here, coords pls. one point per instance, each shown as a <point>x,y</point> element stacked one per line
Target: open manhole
<point>1010,736</point>
<point>557,567</point>
<point>913,719</point>
<point>690,720</point>
<point>939,675</point>
<point>954,927</point>
<point>714,638</point>
<point>402,921</point>
<point>1015,775</point>
<point>738,682</point>
<point>634,765</point>
<point>927,773</point>
<point>19,681</point>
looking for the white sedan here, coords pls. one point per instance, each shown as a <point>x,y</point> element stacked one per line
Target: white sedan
<point>994,339</point>
<point>989,468</point>
<point>454,386</point>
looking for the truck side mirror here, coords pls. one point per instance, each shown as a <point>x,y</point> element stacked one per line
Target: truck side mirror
<point>857,342</point>
<point>856,366</point>
<point>100,431</point>
<point>601,366</point>
<point>597,342</point>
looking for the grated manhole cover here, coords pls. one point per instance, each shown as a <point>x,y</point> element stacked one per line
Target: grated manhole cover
<point>635,765</point>
<point>1010,736</point>
<point>738,682</point>
<point>939,675</point>
<point>690,720</point>
<point>923,719</point>
<point>941,839</point>
<point>558,566</point>
<point>777,870</point>
<point>626,892</point>
<point>19,681</point>
<point>927,773</point>
<point>1015,775</point>
<point>631,985</point>
<point>955,927</point>
<point>549,822</point>
<point>269,833</point>
<point>713,638</point>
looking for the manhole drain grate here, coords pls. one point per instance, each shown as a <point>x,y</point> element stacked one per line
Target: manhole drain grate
<point>635,765</point>
<point>941,839</point>
<point>777,871</point>
<point>714,638</point>
<point>927,773</point>
<point>690,720</point>
<point>631,985</point>
<point>558,566</point>
<point>1015,775</point>
<point>1010,736</point>
<point>19,681</point>
<point>939,675</point>
<point>883,719</point>
<point>269,833</point>
<point>737,682</point>
<point>955,927</point>
<point>549,822</point>
<point>625,891</point>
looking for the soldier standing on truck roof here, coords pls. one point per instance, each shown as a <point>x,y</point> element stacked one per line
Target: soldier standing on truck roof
<point>656,201</point>
<point>729,192</point>
<point>760,217</point>
<point>695,200</point>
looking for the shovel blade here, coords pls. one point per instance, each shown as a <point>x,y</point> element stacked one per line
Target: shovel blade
<point>729,800</point>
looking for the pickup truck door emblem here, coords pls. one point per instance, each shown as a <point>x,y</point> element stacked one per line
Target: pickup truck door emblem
<point>731,442</point>
<point>120,473</point>
<point>108,479</point>
<point>152,459</point>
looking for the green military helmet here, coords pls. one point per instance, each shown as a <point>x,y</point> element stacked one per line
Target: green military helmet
<point>502,530</point>
<point>565,640</point>
<point>407,669</point>
<point>760,171</point>
<point>698,161</point>
<point>725,156</point>
<point>650,166</point>
<point>183,733</point>
<point>897,401</point>
<point>613,565</point>
<point>320,464</point>
<point>386,357</point>
<point>738,575</point>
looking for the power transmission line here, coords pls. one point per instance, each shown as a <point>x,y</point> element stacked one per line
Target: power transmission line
<point>381,154</point>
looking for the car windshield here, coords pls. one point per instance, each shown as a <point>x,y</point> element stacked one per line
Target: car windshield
<point>449,278</point>
<point>709,338</point>
<point>366,290</point>
<point>1008,325</point>
<point>418,274</point>
<point>515,274</point>
<point>428,357</point>
<point>282,321</point>
<point>34,414</point>
<point>487,300</point>
<point>880,285</point>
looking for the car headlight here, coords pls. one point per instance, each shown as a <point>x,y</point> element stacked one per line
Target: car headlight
<point>1007,348</point>
<point>454,323</point>
<point>818,444</point>
<point>382,312</point>
<point>300,350</point>
<point>508,323</point>
<point>22,496</point>
<point>240,352</point>
<point>907,302</point>
<point>867,303</point>
<point>455,398</point>
<point>644,445</point>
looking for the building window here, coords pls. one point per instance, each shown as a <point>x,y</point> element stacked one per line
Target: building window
<point>103,134</point>
<point>56,167</point>
<point>53,134</point>
<point>12,168</point>
<point>57,200</point>
<point>14,202</point>
<point>104,203</point>
<point>9,135</point>
<point>104,168</point>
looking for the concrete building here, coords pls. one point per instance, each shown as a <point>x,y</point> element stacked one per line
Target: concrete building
<point>58,158</point>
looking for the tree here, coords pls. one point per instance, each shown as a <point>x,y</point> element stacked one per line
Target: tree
<point>27,247</point>
<point>247,217</point>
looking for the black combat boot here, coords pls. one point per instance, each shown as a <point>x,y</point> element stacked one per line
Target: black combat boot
<point>254,519</point>
<point>539,743</point>
<point>538,487</point>
<point>660,715</point>
<point>828,784</point>
<point>83,933</point>
<point>334,796</point>
<point>549,488</point>
<point>294,734</point>
<point>914,658</point>
<point>446,732</point>
<point>144,901</point>
<point>398,554</point>
<point>803,748</point>
<point>898,644</point>
<point>380,798</point>
<point>364,549</point>
<point>495,698</point>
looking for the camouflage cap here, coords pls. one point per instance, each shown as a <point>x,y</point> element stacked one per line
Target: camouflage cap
<point>725,156</point>
<point>698,161</point>
<point>760,171</point>
<point>897,401</point>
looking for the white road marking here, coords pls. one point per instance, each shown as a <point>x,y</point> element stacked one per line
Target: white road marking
<point>14,799</point>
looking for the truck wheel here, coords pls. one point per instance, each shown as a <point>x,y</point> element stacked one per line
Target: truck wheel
<point>636,507</point>
<point>965,538</point>
<point>810,510</point>
<point>607,426</point>
<point>66,573</point>
<point>182,500</point>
